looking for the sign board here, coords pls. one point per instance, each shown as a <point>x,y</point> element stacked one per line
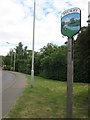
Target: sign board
<point>71,22</point>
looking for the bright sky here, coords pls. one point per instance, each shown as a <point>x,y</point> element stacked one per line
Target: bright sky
<point>16,22</point>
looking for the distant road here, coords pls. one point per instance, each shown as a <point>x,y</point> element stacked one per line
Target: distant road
<point>12,87</point>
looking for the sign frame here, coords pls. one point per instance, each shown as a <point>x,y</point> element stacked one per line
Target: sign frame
<point>71,22</point>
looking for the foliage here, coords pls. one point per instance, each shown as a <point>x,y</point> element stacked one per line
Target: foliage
<point>7,60</point>
<point>82,55</point>
<point>53,64</point>
<point>51,61</point>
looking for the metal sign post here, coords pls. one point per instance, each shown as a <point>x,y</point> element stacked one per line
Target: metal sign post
<point>70,26</point>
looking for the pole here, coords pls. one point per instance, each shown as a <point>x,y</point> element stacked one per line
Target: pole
<point>88,64</point>
<point>69,78</point>
<point>89,13</point>
<point>11,58</point>
<point>14,60</point>
<point>32,70</point>
<point>1,63</point>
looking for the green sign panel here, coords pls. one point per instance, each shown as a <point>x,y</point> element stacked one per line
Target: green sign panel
<point>71,22</point>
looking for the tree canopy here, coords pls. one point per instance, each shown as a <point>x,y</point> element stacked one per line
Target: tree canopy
<point>51,60</point>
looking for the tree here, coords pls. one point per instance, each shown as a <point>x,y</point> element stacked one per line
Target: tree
<point>72,20</point>
<point>47,50</point>
<point>37,63</point>
<point>53,63</point>
<point>7,62</point>
<point>23,59</point>
<point>82,55</point>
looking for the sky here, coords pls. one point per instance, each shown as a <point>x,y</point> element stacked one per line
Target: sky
<point>69,16</point>
<point>16,22</point>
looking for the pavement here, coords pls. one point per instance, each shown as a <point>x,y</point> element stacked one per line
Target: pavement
<point>12,93</point>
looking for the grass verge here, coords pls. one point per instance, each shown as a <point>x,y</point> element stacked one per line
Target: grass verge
<point>48,100</point>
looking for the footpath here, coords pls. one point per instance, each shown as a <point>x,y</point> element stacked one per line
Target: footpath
<point>12,94</point>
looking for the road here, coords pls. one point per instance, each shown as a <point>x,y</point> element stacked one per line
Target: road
<point>12,88</point>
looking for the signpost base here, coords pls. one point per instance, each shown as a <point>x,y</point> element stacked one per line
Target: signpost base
<point>32,78</point>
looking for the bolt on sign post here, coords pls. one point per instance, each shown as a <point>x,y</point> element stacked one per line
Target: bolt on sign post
<point>70,26</point>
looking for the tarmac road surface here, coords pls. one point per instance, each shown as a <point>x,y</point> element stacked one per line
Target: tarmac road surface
<point>12,88</point>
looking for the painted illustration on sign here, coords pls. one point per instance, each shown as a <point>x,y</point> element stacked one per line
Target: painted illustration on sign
<point>71,22</point>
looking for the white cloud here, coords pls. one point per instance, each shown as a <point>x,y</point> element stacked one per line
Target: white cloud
<point>16,21</point>
<point>83,5</point>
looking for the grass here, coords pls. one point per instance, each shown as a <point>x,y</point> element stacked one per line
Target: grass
<point>48,100</point>
<point>69,32</point>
